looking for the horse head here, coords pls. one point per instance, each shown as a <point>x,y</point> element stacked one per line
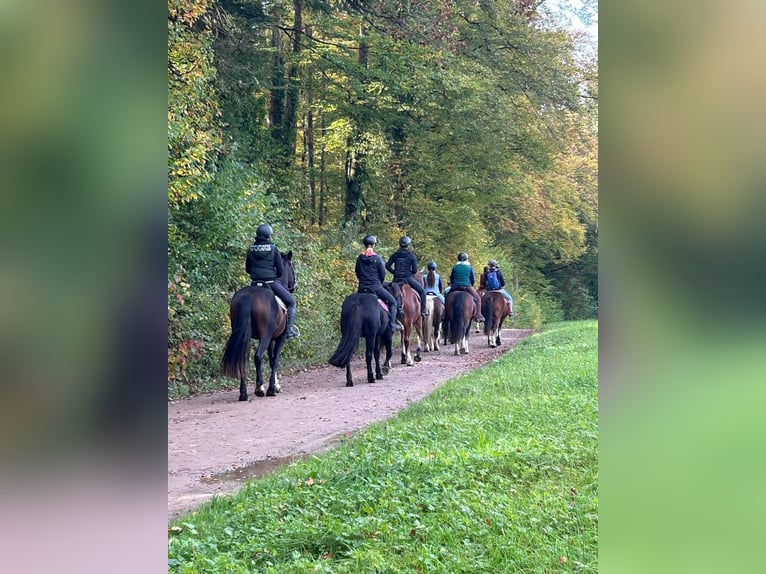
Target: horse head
<point>396,290</point>
<point>288,273</point>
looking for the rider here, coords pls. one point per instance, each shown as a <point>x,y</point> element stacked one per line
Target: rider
<point>264,265</point>
<point>371,272</point>
<point>403,265</point>
<point>493,266</point>
<point>461,278</point>
<point>434,283</point>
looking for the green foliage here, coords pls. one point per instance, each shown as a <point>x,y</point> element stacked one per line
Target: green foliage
<point>193,135</point>
<point>466,124</point>
<point>496,471</point>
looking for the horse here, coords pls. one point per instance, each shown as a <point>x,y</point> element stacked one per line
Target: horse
<point>495,309</point>
<point>459,308</point>
<point>362,315</point>
<point>432,323</point>
<point>411,318</point>
<point>255,314</point>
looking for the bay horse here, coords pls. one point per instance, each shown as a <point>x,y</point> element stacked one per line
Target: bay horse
<point>255,314</point>
<point>411,319</point>
<point>495,309</point>
<point>432,323</point>
<point>459,308</point>
<point>362,315</point>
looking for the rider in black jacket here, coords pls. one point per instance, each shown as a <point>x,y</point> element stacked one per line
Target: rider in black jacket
<point>403,264</point>
<point>264,264</point>
<point>371,273</point>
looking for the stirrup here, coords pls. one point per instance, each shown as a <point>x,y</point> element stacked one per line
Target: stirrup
<point>294,333</point>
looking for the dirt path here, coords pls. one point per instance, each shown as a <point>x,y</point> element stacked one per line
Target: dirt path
<point>215,442</point>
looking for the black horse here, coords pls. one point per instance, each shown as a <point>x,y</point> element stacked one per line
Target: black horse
<point>363,316</point>
<point>255,314</point>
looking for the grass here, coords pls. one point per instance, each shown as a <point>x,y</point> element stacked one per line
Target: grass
<point>496,471</point>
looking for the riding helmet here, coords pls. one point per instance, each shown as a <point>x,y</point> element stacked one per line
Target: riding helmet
<point>370,240</point>
<point>432,266</point>
<point>492,263</point>
<point>264,230</point>
<point>462,256</point>
<point>405,241</point>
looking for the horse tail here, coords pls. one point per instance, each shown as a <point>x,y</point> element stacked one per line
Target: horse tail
<point>351,327</point>
<point>235,354</point>
<point>457,321</point>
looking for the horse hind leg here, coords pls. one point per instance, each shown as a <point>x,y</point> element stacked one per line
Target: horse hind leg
<point>275,350</point>
<point>259,370</point>
<point>243,386</point>
<point>349,378</point>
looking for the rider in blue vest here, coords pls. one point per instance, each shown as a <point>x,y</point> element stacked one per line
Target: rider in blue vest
<point>264,265</point>
<point>462,279</point>
<point>371,272</point>
<point>492,266</point>
<point>434,282</point>
<point>403,265</point>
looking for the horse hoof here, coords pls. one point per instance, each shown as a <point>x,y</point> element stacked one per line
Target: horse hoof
<point>418,358</point>
<point>350,383</point>
<point>278,388</point>
<point>259,392</point>
<point>385,371</point>
<point>271,392</point>
<point>370,380</point>
<point>242,397</point>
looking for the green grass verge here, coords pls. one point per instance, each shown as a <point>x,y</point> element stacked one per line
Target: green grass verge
<point>496,471</point>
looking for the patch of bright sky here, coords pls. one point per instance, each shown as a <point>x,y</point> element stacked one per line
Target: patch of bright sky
<point>579,16</point>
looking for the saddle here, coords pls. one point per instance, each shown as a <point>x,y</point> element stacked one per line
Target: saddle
<point>267,285</point>
<point>367,291</point>
<point>402,283</point>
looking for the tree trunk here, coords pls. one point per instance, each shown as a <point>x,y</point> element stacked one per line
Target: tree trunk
<point>289,128</point>
<point>277,102</point>
<point>322,175</point>
<point>310,162</point>
<point>354,158</point>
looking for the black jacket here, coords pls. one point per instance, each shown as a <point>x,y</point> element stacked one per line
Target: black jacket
<point>264,262</point>
<point>402,264</point>
<point>370,270</point>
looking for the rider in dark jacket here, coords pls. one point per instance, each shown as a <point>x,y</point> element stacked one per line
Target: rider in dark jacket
<point>264,265</point>
<point>403,264</point>
<point>371,272</point>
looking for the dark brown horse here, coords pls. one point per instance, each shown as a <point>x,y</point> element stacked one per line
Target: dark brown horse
<point>363,316</point>
<point>459,308</point>
<point>255,314</point>
<point>495,309</point>
<point>411,319</point>
<point>432,323</point>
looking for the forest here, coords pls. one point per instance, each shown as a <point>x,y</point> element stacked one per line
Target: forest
<point>467,125</point>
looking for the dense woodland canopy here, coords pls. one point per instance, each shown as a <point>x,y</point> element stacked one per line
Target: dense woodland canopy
<point>469,125</point>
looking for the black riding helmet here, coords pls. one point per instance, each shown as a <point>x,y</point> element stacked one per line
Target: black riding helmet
<point>462,256</point>
<point>264,230</point>
<point>405,241</point>
<point>370,240</point>
<point>432,266</point>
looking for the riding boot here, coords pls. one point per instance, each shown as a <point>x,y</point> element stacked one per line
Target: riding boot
<point>292,330</point>
<point>395,325</point>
